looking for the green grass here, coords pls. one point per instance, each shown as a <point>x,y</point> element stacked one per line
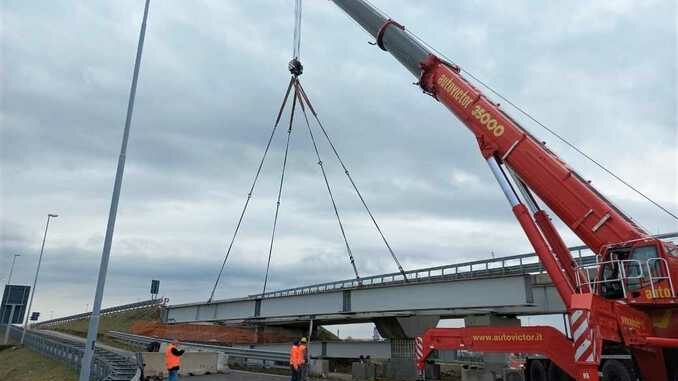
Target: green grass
<point>121,322</point>
<point>326,335</point>
<point>21,364</point>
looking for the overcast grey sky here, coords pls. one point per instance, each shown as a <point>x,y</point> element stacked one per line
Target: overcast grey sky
<point>601,73</point>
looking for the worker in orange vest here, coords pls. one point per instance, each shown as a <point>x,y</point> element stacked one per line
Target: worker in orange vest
<point>304,358</point>
<point>296,360</point>
<point>173,360</point>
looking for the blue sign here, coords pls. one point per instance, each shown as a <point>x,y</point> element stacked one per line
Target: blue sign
<point>155,286</point>
<point>14,298</point>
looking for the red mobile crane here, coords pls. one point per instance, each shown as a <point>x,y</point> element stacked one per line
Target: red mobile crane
<point>623,314</point>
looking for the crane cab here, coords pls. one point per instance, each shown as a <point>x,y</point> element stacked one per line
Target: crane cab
<point>643,272</point>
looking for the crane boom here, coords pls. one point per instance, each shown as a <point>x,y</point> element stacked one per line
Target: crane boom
<point>594,219</point>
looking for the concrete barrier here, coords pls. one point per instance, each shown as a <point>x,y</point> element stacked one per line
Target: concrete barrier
<point>192,363</point>
<point>363,371</point>
<point>476,375</point>
<point>400,369</point>
<point>319,368</point>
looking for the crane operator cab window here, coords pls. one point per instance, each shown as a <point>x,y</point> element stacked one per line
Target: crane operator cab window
<point>610,281</point>
<point>637,272</point>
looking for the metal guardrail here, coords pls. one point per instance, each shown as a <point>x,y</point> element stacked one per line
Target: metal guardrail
<point>510,265</point>
<point>105,311</point>
<point>250,354</point>
<point>106,365</point>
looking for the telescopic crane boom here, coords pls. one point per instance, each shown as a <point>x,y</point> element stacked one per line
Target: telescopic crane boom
<point>592,217</point>
<point>633,283</point>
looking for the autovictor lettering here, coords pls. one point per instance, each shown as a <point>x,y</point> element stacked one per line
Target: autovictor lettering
<point>457,93</point>
<point>510,337</point>
<point>631,322</point>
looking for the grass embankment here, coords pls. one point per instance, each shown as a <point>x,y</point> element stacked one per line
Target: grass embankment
<point>20,364</point>
<point>121,321</point>
<point>326,335</point>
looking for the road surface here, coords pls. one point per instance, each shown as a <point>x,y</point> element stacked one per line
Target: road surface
<point>237,375</point>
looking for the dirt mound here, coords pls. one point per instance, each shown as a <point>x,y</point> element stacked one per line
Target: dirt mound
<point>209,333</point>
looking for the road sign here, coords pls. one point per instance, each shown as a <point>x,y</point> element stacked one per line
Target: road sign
<point>155,286</point>
<point>35,316</point>
<point>14,301</point>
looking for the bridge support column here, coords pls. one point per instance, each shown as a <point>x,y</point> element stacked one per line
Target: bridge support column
<point>401,332</point>
<point>494,362</point>
<point>405,327</point>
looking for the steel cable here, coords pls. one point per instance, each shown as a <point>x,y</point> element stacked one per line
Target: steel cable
<point>350,178</point>
<point>549,130</point>
<point>327,184</point>
<point>296,41</point>
<point>282,180</point>
<point>254,182</point>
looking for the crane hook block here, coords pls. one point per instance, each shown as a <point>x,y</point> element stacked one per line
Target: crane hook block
<point>296,68</point>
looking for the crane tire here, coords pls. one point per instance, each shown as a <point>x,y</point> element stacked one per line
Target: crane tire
<point>557,374</point>
<point>537,371</point>
<point>615,370</point>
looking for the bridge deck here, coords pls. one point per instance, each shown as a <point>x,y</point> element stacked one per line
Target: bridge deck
<point>510,285</point>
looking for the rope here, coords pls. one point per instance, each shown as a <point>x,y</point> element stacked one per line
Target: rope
<point>296,41</point>
<point>282,179</point>
<point>327,184</point>
<point>552,132</point>
<point>249,195</point>
<point>350,178</point>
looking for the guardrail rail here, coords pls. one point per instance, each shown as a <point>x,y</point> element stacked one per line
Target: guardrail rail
<point>247,354</point>
<point>509,265</point>
<point>105,311</point>
<point>106,365</point>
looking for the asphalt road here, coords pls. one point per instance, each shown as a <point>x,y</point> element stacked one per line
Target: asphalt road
<point>236,375</point>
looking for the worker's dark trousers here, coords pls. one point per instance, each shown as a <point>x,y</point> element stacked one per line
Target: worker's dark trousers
<point>304,372</point>
<point>296,374</point>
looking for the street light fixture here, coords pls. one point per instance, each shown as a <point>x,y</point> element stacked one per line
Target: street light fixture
<point>35,280</point>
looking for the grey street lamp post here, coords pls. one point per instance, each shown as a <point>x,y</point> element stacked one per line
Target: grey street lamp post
<point>35,280</point>
<point>86,363</point>
<point>11,314</point>
<point>11,269</point>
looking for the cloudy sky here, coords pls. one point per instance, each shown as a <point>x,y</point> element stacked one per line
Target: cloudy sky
<point>603,74</point>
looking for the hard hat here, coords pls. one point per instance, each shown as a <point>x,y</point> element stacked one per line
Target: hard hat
<point>303,339</point>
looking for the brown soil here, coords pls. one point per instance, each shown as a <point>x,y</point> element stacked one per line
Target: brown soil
<point>204,333</point>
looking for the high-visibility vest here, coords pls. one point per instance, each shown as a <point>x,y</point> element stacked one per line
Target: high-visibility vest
<point>171,360</point>
<point>296,356</point>
<point>302,353</point>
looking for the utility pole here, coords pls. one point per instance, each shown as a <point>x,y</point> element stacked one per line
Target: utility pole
<point>35,280</point>
<point>86,366</point>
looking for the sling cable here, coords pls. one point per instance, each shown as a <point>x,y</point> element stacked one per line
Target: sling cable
<point>301,98</point>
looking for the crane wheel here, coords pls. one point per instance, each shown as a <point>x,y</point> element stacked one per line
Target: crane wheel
<point>537,371</point>
<point>615,370</point>
<point>557,374</point>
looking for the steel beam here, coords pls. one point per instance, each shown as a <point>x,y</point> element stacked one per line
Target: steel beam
<point>451,298</point>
